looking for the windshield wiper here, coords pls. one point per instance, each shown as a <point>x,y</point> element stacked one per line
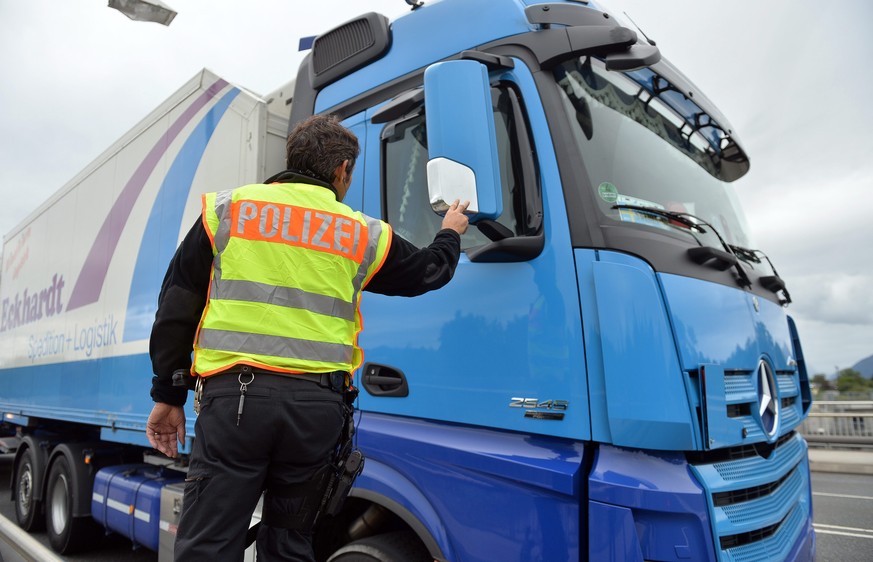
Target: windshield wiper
<point>678,217</point>
<point>723,259</point>
<point>773,283</point>
<point>746,254</point>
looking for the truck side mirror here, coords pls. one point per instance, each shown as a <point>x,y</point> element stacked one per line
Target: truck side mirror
<point>461,139</point>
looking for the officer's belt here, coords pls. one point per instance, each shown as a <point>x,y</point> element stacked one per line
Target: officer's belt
<point>337,381</point>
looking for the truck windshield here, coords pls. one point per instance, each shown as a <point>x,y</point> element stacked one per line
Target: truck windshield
<point>638,152</point>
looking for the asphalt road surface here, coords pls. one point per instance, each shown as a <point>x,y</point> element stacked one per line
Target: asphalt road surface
<point>843,517</point>
<point>842,503</point>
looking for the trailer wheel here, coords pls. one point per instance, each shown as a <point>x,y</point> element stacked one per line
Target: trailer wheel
<point>27,509</point>
<point>401,546</point>
<point>66,533</point>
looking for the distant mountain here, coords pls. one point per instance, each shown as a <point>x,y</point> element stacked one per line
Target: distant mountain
<point>865,367</point>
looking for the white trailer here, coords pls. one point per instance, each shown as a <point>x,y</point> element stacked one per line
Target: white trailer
<point>79,288</point>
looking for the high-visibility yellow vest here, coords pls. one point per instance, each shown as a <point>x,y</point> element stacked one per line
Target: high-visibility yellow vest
<point>289,266</point>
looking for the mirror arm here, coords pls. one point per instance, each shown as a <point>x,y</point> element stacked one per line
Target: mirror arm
<point>509,250</point>
<point>400,106</point>
<point>592,40</point>
<point>493,230</point>
<point>493,62</point>
<point>637,57</point>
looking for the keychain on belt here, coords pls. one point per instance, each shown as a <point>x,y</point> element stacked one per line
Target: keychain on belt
<point>245,371</point>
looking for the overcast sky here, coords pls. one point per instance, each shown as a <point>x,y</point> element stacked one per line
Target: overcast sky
<point>792,76</point>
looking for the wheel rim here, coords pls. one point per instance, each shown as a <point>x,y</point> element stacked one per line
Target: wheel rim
<point>59,509</point>
<point>25,490</point>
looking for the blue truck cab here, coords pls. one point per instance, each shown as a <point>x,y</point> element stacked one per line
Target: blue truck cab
<point>611,374</point>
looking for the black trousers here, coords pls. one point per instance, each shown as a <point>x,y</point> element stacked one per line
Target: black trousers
<point>287,431</point>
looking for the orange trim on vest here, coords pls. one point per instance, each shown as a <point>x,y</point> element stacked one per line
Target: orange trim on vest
<point>200,323</point>
<point>209,233</point>
<point>257,365</point>
<point>313,229</point>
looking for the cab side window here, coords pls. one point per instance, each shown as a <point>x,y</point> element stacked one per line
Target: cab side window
<point>404,159</point>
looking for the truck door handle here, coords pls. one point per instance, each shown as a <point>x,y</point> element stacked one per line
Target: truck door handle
<point>381,380</point>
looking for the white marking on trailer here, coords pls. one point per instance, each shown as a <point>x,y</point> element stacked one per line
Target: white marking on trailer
<point>846,496</point>
<point>164,525</point>
<point>142,515</point>
<point>97,497</point>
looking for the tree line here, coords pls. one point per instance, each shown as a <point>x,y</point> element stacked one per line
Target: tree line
<point>848,380</point>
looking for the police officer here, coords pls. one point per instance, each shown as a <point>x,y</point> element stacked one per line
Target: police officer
<point>267,285</point>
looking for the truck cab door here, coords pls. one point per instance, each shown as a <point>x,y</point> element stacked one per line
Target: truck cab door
<point>501,345</point>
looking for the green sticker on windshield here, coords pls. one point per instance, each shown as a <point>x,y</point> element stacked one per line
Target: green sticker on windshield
<point>608,192</point>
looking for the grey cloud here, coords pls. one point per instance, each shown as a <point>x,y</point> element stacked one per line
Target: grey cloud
<point>835,298</point>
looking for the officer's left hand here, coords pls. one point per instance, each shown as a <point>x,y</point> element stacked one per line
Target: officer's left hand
<point>166,424</point>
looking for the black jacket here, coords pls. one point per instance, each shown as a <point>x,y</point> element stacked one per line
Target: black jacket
<point>407,271</point>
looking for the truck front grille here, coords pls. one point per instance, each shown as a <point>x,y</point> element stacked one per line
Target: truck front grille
<point>741,398</point>
<point>758,498</point>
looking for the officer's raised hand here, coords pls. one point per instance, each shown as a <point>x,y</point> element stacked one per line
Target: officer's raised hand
<point>455,217</point>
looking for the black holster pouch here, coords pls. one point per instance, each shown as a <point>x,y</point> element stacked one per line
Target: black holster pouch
<point>294,506</point>
<point>326,491</point>
<point>342,479</point>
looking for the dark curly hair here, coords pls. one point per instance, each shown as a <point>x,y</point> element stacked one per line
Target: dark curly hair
<point>318,145</point>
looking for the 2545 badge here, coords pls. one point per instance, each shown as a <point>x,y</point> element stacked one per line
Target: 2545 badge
<point>540,409</point>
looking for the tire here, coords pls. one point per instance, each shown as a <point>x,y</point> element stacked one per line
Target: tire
<point>28,511</point>
<point>67,534</point>
<point>401,546</point>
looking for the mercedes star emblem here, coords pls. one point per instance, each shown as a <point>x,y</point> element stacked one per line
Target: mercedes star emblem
<point>768,399</point>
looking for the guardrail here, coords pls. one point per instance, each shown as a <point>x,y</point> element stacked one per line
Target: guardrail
<point>848,423</point>
<point>17,546</point>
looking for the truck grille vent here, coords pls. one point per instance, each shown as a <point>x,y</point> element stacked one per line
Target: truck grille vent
<point>731,453</point>
<point>721,455</point>
<point>733,541</point>
<point>340,44</point>
<point>737,496</point>
<point>348,47</point>
<point>739,410</point>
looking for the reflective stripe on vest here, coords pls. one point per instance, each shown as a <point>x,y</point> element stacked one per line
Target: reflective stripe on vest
<point>288,270</point>
<point>232,289</point>
<point>276,346</point>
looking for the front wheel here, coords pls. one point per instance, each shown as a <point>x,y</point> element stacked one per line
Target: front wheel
<point>401,546</point>
<point>27,509</point>
<point>66,533</point>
